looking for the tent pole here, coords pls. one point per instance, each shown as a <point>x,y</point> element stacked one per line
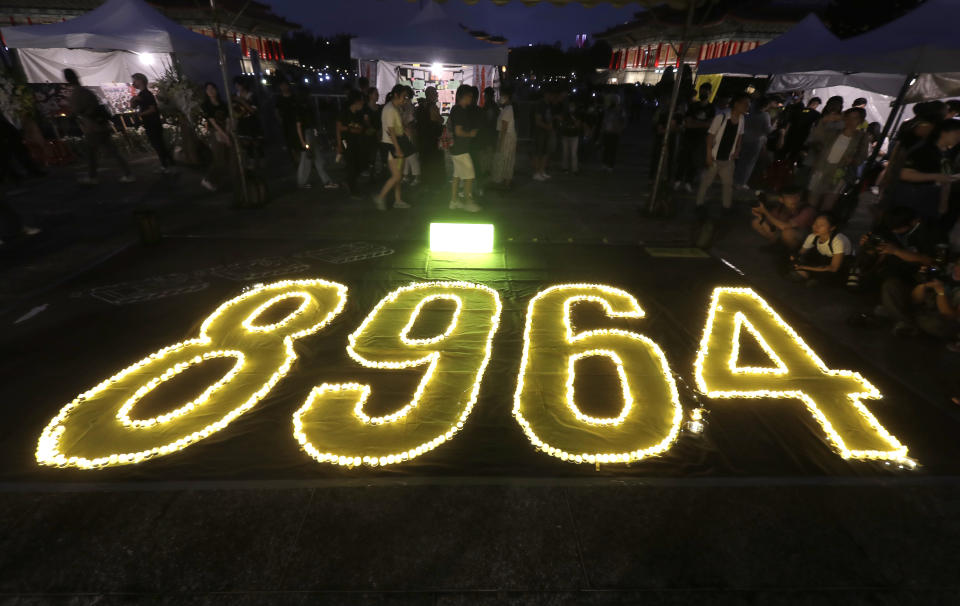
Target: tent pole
<point>226,90</point>
<point>897,108</point>
<point>684,47</point>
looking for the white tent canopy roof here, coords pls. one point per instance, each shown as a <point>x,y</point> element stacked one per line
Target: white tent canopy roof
<point>431,37</point>
<point>130,25</point>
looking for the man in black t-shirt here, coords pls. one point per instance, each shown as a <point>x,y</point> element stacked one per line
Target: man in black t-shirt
<point>311,156</point>
<point>288,109</point>
<point>698,118</point>
<point>146,105</point>
<point>799,125</point>
<point>429,128</point>
<point>351,124</point>
<point>927,169</point>
<point>544,132</point>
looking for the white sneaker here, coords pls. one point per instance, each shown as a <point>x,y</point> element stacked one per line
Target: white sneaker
<point>331,185</point>
<point>127,179</point>
<point>208,185</point>
<point>545,176</point>
<point>469,205</point>
<point>401,204</point>
<point>538,177</point>
<point>31,231</point>
<point>415,182</point>
<point>380,204</point>
<point>676,185</point>
<point>688,187</point>
<point>743,187</point>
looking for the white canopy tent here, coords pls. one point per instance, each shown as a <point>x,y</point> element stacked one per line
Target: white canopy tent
<point>114,40</point>
<point>431,49</point>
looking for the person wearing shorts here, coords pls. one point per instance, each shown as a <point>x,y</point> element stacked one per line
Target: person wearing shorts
<point>391,125</point>
<point>461,125</point>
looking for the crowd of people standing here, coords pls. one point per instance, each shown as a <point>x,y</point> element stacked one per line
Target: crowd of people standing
<point>815,157</point>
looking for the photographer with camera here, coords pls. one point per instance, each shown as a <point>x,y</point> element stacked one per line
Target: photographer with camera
<point>825,255</point>
<point>785,223</point>
<point>936,301</point>
<point>894,255</point>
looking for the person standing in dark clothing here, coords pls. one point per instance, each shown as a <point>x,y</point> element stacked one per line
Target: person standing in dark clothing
<point>146,105</point>
<point>219,139</point>
<point>94,121</point>
<point>13,152</point>
<point>371,114</point>
<point>288,111</point>
<point>474,118</point>
<point>429,128</point>
<point>350,139</point>
<point>249,129</point>
<point>799,125</point>
<point>693,141</point>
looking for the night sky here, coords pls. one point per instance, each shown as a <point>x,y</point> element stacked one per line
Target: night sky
<point>518,23</point>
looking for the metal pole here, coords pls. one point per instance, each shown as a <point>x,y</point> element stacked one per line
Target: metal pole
<point>673,105</point>
<point>897,107</point>
<point>226,90</point>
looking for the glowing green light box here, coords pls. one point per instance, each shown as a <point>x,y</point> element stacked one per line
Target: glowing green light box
<point>461,237</point>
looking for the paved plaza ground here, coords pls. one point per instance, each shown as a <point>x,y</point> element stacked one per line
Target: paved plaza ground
<point>754,522</point>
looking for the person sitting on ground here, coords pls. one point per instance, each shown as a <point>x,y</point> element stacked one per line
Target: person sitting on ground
<point>825,255</point>
<point>787,222</point>
<point>893,256</point>
<point>936,303</point>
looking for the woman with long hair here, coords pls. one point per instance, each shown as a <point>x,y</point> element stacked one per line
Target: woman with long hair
<point>391,141</point>
<point>505,156</point>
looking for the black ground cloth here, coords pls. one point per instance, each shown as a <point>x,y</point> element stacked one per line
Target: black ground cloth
<point>83,339</point>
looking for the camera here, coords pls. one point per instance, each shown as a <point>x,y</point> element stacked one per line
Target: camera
<point>761,200</point>
<point>873,241</point>
<point>932,272</point>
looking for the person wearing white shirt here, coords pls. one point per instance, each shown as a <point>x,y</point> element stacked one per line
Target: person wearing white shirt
<point>391,133</point>
<point>723,147</point>
<point>825,253</point>
<point>506,153</point>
